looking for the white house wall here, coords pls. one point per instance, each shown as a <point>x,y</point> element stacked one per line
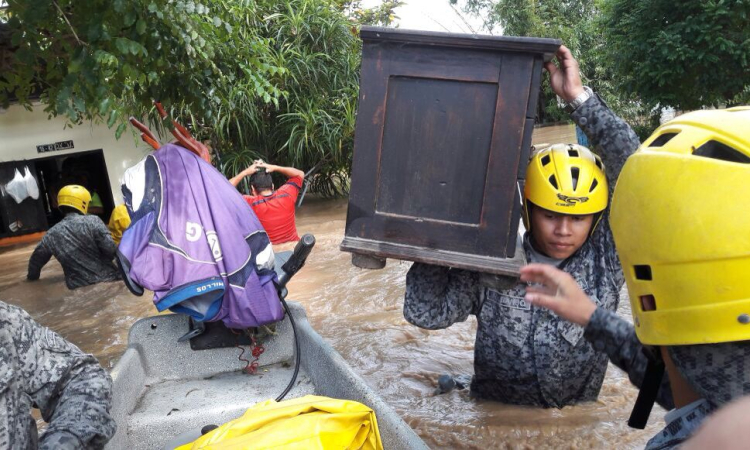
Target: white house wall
<point>21,131</point>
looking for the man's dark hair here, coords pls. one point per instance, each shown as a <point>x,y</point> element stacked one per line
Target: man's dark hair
<point>261,181</point>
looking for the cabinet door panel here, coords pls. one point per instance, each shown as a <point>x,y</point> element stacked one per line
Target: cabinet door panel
<point>435,150</point>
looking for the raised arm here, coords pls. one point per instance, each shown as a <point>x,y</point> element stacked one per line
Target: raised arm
<point>38,259</point>
<point>288,172</point>
<point>437,297</point>
<point>245,173</point>
<point>609,136</point>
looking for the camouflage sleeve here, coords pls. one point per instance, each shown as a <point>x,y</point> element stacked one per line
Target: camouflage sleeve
<point>609,136</point>
<point>72,391</point>
<point>38,259</point>
<point>609,333</point>
<point>437,297</point>
<point>614,141</point>
<point>103,238</point>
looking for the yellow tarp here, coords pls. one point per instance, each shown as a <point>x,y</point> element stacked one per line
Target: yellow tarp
<point>309,422</point>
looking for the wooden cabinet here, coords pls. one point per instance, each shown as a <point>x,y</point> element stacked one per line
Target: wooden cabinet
<point>442,138</point>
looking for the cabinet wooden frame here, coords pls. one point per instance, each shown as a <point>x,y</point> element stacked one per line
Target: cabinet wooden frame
<point>442,138</point>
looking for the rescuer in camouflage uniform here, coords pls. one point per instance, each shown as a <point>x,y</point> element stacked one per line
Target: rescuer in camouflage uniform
<point>40,369</point>
<point>680,222</point>
<point>526,355</point>
<point>82,244</point>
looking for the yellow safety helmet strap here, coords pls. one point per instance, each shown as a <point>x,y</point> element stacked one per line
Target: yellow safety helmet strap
<point>647,394</point>
<point>526,217</point>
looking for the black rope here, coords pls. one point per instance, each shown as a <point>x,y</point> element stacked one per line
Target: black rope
<point>296,353</point>
<point>647,395</point>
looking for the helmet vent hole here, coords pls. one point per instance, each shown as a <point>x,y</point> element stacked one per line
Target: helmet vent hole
<point>545,160</point>
<point>594,184</point>
<point>574,173</point>
<point>642,272</point>
<point>599,163</point>
<point>663,139</point>
<point>573,153</point>
<point>723,152</point>
<point>553,181</point>
<point>648,303</point>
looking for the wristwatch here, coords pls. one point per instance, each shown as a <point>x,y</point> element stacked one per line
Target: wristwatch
<point>578,101</point>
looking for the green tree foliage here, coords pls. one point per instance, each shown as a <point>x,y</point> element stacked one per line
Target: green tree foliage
<point>316,47</point>
<point>381,15</point>
<point>639,55</point>
<point>568,20</point>
<point>270,79</point>
<point>315,43</point>
<point>686,55</point>
<point>103,59</point>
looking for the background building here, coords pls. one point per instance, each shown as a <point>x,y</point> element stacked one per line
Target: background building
<point>45,152</point>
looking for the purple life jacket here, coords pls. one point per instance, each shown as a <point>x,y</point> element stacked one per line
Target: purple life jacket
<point>196,243</point>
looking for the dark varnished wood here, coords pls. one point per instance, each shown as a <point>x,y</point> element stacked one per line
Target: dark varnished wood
<point>543,46</point>
<point>378,250</point>
<point>424,115</point>
<point>442,136</point>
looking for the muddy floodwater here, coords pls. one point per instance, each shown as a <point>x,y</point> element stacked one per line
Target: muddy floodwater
<point>360,313</point>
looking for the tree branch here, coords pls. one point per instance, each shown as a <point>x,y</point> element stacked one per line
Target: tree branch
<point>69,25</point>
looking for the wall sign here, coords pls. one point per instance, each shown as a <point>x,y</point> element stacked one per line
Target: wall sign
<point>63,145</point>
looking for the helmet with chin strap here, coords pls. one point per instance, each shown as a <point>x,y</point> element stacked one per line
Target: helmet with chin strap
<point>566,179</point>
<point>680,221</point>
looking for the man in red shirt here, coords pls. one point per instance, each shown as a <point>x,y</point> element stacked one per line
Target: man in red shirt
<point>274,208</point>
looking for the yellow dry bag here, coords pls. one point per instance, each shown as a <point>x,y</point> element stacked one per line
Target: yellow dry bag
<point>119,221</point>
<point>309,422</point>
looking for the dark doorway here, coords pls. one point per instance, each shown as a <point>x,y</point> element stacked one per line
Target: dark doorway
<point>87,169</point>
<point>50,174</point>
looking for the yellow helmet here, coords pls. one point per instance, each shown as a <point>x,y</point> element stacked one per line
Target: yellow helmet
<point>74,196</point>
<point>681,222</point>
<point>566,178</point>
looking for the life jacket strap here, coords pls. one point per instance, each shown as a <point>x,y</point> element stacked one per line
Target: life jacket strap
<point>649,390</point>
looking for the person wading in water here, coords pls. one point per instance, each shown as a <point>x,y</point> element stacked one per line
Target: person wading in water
<point>81,243</point>
<point>526,355</point>
<point>275,208</point>
<point>679,218</point>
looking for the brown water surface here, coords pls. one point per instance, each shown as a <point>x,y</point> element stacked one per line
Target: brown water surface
<point>360,313</point>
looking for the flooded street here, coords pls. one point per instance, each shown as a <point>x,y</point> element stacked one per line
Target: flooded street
<point>96,318</point>
<point>360,313</point>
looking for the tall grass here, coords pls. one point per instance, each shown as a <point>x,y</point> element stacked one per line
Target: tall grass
<point>303,110</point>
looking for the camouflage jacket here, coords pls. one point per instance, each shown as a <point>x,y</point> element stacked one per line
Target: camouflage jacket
<point>611,334</point>
<point>84,248</point>
<point>523,354</point>
<point>40,369</point>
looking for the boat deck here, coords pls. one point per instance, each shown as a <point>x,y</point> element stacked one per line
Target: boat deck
<point>165,392</point>
<point>172,407</point>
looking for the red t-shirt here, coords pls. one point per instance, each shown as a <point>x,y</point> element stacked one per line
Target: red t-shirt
<point>276,211</point>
